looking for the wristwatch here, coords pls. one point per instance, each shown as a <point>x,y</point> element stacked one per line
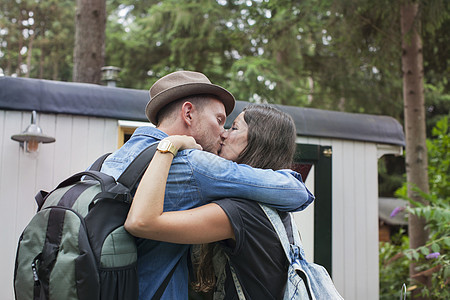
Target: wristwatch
<point>166,146</point>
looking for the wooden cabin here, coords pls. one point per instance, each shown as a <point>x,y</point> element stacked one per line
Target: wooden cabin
<point>337,154</point>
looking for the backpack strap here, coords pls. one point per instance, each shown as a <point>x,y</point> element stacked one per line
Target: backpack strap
<point>275,219</point>
<point>137,167</point>
<point>278,225</point>
<point>297,239</point>
<point>40,198</point>
<point>292,251</point>
<point>163,285</point>
<point>97,165</point>
<point>223,258</point>
<point>237,283</point>
<point>105,181</point>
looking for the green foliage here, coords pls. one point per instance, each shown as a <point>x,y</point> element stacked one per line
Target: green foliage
<point>391,174</point>
<point>439,160</point>
<point>394,267</point>
<point>433,258</point>
<point>437,103</point>
<point>36,38</point>
<point>338,55</point>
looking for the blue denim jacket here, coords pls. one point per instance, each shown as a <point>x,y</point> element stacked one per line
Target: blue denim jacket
<point>196,178</point>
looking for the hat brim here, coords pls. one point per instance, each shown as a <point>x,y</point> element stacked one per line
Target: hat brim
<point>190,89</point>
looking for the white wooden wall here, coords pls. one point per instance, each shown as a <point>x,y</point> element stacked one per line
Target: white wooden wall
<point>355,215</point>
<point>305,220</point>
<point>79,141</point>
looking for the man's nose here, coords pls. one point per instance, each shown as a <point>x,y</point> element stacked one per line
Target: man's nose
<point>224,134</point>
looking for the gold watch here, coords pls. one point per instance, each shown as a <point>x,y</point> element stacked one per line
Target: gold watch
<point>166,146</point>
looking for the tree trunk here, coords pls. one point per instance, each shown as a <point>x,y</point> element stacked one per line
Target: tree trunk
<point>30,49</point>
<point>89,52</point>
<point>42,60</point>
<point>414,109</point>
<point>19,57</point>
<point>311,89</point>
<point>8,70</point>
<point>55,72</point>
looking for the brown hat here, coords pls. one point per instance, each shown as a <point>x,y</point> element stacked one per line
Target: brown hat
<point>182,84</point>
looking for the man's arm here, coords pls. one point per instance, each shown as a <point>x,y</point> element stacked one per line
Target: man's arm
<point>220,178</point>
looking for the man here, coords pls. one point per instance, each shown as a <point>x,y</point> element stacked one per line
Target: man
<point>187,103</point>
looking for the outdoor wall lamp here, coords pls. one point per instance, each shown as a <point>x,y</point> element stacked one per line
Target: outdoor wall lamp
<point>32,136</point>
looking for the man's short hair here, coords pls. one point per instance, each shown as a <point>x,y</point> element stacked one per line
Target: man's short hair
<point>168,112</point>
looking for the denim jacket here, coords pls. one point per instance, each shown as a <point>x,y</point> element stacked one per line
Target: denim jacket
<point>196,178</point>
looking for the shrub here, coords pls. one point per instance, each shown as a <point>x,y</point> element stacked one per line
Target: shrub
<point>431,259</point>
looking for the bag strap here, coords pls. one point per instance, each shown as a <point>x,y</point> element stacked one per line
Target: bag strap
<point>278,225</point>
<point>297,239</point>
<point>105,180</point>
<point>237,284</point>
<point>275,219</point>
<point>288,248</point>
<point>163,285</point>
<point>97,165</point>
<point>137,167</point>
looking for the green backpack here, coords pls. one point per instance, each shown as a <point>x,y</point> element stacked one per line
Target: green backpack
<point>76,247</point>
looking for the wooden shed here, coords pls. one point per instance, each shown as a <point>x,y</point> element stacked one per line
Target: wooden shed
<point>337,153</point>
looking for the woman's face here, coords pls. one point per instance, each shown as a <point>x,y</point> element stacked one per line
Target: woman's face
<point>235,139</point>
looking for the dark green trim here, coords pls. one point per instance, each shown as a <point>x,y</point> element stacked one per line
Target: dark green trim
<point>314,154</point>
<point>307,153</point>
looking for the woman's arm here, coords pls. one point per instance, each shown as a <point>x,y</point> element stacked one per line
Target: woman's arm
<point>146,218</point>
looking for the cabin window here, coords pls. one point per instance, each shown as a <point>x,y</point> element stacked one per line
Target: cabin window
<point>127,128</point>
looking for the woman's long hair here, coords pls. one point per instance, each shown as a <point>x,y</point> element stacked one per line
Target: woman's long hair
<point>270,145</point>
<point>270,140</point>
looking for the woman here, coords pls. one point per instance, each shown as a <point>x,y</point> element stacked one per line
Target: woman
<point>261,136</point>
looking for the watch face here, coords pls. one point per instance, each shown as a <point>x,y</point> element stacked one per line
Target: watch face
<point>164,145</point>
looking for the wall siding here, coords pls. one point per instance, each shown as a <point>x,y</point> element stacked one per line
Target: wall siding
<point>79,141</point>
<point>9,174</point>
<point>305,220</point>
<point>355,217</point>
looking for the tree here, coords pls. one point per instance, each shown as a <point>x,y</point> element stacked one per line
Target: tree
<point>36,38</point>
<point>170,36</point>
<point>309,53</point>
<point>378,24</point>
<point>415,129</point>
<point>430,259</point>
<point>89,52</point>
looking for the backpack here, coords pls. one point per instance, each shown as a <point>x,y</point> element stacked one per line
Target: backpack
<point>76,247</point>
<point>305,280</point>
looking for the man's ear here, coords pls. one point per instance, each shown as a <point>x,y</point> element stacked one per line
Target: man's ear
<point>186,111</point>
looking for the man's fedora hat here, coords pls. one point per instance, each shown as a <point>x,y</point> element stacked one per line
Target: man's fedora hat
<point>182,84</point>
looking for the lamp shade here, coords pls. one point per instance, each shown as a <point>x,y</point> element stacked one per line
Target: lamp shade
<point>33,133</point>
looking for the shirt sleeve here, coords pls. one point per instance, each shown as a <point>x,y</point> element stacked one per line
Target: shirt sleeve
<point>237,223</point>
<point>219,178</point>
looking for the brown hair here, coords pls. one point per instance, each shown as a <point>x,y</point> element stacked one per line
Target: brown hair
<point>270,145</point>
<point>270,138</point>
<point>168,111</point>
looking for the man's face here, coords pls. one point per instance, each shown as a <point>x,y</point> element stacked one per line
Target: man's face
<point>208,125</point>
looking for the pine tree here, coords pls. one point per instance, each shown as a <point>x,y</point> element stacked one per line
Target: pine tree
<point>89,52</point>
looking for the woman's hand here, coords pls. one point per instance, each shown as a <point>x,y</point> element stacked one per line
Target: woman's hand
<point>182,142</point>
